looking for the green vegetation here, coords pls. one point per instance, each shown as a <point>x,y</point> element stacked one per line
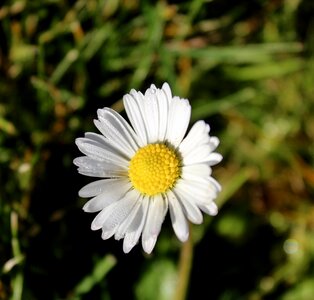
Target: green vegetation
<point>247,68</point>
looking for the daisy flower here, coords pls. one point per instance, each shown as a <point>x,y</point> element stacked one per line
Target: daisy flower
<point>148,168</point>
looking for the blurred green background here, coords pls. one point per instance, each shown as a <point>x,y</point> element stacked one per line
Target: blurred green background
<point>247,68</point>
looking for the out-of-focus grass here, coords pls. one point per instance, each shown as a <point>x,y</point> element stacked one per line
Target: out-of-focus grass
<point>247,68</point>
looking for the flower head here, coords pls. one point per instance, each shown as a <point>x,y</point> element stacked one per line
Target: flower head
<point>148,168</point>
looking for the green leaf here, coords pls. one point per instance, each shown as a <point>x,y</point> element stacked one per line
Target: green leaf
<point>158,282</point>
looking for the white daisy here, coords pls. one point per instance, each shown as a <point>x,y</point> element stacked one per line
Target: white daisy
<point>148,168</point>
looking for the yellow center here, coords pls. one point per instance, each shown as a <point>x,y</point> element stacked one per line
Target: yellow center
<point>154,169</point>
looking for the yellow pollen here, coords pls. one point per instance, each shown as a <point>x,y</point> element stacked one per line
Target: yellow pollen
<point>154,169</point>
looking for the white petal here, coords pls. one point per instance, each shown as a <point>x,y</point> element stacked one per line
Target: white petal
<point>167,91</point>
<point>112,191</point>
<point>210,208</point>
<point>99,220</point>
<point>156,214</point>
<point>202,198</point>
<point>132,236</point>
<point>197,135</point>
<point>151,114</point>
<point>214,158</point>
<point>190,208</point>
<point>101,186</point>
<point>90,167</point>
<point>200,190</point>
<point>156,105</point>
<point>119,211</point>
<point>196,171</point>
<point>197,156</point>
<point>198,146</point>
<point>215,184</point>
<point>112,215</point>
<point>202,155</point>
<point>117,130</point>
<point>124,226</point>
<point>123,126</point>
<point>214,142</point>
<point>178,120</point>
<point>179,222</point>
<point>148,113</point>
<point>163,109</point>
<point>108,234</point>
<point>199,175</point>
<point>135,111</point>
<point>101,174</point>
<point>98,152</point>
<point>105,143</point>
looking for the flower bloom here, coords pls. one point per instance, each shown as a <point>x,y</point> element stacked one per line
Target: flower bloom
<point>148,168</point>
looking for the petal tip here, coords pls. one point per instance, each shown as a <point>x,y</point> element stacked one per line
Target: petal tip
<point>85,207</point>
<point>94,227</point>
<point>184,237</point>
<point>149,244</point>
<point>127,245</point>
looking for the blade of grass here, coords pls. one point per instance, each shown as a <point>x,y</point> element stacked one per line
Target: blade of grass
<point>232,184</point>
<point>237,54</point>
<point>95,40</point>
<point>18,279</point>
<point>148,50</point>
<point>265,70</point>
<point>218,106</point>
<point>64,65</point>
<point>101,269</point>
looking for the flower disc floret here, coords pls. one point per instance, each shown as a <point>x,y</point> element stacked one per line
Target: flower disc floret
<point>154,169</point>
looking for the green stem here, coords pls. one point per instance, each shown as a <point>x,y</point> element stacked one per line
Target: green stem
<point>185,265</point>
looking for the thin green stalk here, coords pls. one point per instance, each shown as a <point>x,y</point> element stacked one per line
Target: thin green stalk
<point>185,266</point>
<point>18,279</point>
